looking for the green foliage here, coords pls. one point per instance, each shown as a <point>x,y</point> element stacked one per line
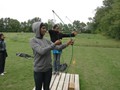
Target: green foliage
<point>107,18</point>
<point>13,25</point>
<point>9,25</point>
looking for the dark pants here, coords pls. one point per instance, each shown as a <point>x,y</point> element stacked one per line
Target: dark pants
<point>2,62</point>
<point>42,78</point>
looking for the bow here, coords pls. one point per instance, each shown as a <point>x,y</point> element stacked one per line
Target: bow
<point>58,16</point>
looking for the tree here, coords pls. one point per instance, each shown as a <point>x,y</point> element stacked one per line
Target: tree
<point>9,25</point>
<point>77,25</point>
<point>1,25</point>
<point>107,18</point>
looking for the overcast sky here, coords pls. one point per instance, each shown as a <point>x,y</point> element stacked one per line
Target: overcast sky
<point>23,10</point>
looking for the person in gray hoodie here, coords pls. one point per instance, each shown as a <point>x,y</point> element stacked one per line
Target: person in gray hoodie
<point>42,55</point>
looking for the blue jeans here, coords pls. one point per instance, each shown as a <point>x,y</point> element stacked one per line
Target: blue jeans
<point>56,62</point>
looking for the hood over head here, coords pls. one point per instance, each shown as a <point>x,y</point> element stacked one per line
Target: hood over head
<point>36,29</point>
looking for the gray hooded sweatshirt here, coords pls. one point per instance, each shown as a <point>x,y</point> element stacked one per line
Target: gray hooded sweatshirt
<point>42,50</point>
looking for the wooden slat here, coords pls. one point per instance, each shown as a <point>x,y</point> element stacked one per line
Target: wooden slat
<point>65,86</point>
<point>61,82</point>
<point>52,80</point>
<point>72,78</point>
<point>71,82</point>
<point>77,87</point>
<point>56,82</point>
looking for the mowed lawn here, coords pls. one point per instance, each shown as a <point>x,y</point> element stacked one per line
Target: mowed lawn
<point>95,58</point>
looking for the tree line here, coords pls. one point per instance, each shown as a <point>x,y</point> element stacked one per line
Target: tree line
<point>13,25</point>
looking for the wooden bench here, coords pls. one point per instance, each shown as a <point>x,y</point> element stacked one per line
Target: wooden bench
<point>64,81</point>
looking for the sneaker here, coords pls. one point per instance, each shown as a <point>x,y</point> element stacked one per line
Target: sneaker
<point>2,74</point>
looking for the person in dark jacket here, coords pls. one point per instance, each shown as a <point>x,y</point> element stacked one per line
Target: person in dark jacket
<point>42,55</point>
<point>55,34</point>
<point>3,54</point>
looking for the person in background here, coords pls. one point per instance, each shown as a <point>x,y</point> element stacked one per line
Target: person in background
<point>3,54</point>
<point>55,34</point>
<point>42,55</point>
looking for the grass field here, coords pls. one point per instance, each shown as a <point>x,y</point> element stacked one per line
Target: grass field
<point>95,58</point>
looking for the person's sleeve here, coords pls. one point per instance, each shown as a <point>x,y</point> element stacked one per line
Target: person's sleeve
<point>41,50</point>
<point>68,35</point>
<point>59,47</point>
